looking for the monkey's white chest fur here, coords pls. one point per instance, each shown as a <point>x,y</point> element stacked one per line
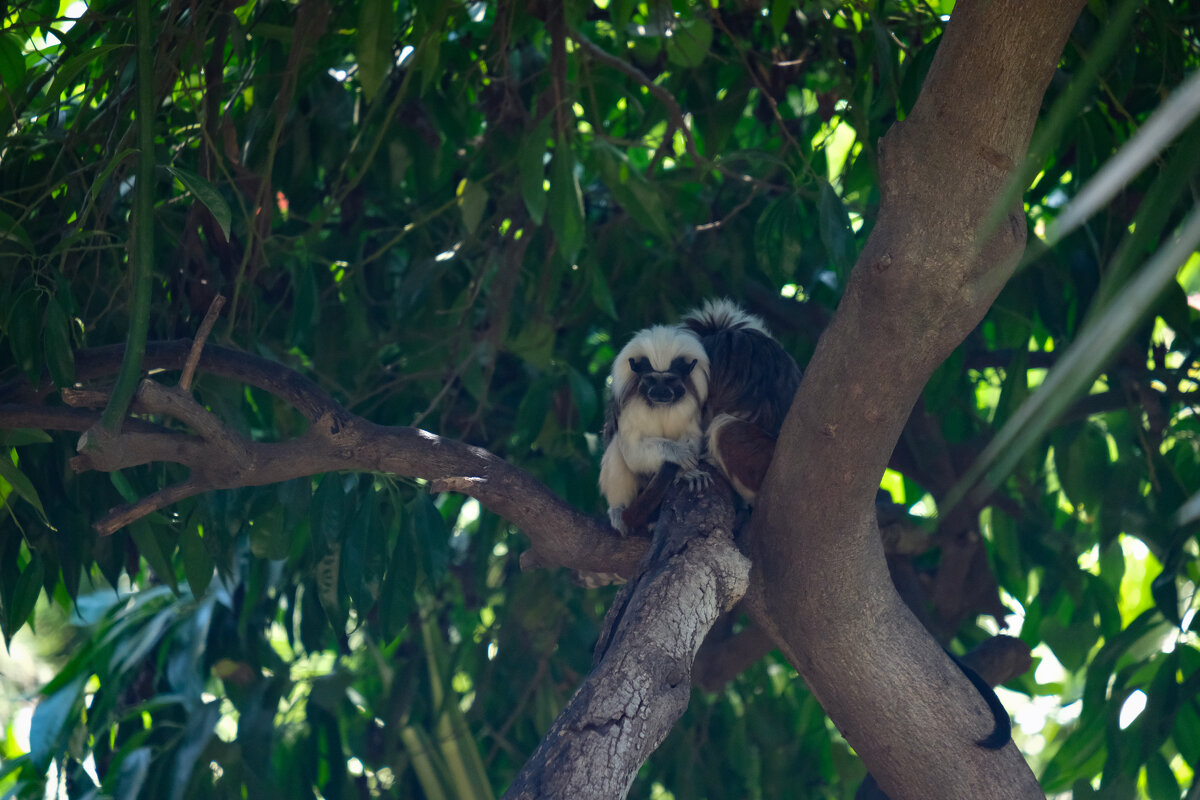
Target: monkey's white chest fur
<point>649,435</point>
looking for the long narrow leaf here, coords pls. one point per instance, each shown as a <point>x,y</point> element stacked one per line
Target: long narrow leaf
<point>1172,117</point>
<point>1081,362</point>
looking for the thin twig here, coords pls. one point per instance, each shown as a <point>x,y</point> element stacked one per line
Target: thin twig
<point>121,516</point>
<point>206,326</point>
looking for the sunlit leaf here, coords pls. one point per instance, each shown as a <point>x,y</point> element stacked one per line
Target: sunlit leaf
<point>19,482</point>
<point>67,74</point>
<point>1087,355</point>
<point>12,64</point>
<point>689,43</point>
<point>50,719</point>
<point>472,201</point>
<point>19,605</point>
<point>1173,116</point>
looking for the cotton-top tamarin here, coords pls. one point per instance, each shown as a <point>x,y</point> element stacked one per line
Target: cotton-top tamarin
<point>659,385</point>
<point>750,386</point>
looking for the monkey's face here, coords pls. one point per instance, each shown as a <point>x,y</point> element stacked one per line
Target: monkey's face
<point>659,368</point>
<point>662,387</point>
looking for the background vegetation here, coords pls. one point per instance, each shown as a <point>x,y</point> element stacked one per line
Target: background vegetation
<point>452,215</point>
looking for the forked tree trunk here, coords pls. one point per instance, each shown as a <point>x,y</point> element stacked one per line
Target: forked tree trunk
<point>928,273</point>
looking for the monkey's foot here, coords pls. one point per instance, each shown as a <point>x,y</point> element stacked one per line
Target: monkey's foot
<point>697,480</point>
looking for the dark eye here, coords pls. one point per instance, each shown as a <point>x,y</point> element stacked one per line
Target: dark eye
<point>682,367</point>
<point>640,365</point>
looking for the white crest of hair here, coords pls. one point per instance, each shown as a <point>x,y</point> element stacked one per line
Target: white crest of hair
<point>661,344</point>
<point>721,313</point>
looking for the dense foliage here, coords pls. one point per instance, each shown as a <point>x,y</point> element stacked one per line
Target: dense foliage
<point>451,215</point>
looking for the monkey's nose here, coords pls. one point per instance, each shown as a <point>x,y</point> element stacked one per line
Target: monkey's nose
<point>660,394</point>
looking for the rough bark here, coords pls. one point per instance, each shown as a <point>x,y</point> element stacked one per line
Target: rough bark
<point>642,678</point>
<point>221,458</point>
<point>926,276</point>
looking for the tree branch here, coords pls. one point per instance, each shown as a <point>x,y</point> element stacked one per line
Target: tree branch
<point>925,277</point>
<point>641,681</point>
<point>219,458</point>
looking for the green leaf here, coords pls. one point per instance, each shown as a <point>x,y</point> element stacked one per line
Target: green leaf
<point>836,233</point>
<point>151,548</point>
<point>24,597</point>
<point>1081,459</point>
<point>24,332</point>
<point>777,238</point>
<point>1186,733</point>
<point>428,532</point>
<point>197,562</point>
<point>13,232</point>
<point>472,201</point>
<point>20,483</point>
<point>630,188</point>
<point>531,164</point>
<point>270,538</point>
<point>566,202</point>
<point>396,600</point>
<point>46,734</point>
<point>620,11</point>
<point>17,437</point>
<point>60,355</point>
<point>689,43</point>
<point>586,400</point>
<point>427,60</point>
<point>780,11</point>
<point>1161,783</point>
<point>534,343</point>
<point>1077,368</point>
<point>531,414</point>
<point>68,72</point>
<point>373,44</point>
<point>601,295</point>
<point>361,562</point>
<point>12,65</point>
<point>296,498</point>
<point>199,731</point>
<point>329,509</point>
<point>112,164</point>
<point>207,194</point>
<point>131,775</point>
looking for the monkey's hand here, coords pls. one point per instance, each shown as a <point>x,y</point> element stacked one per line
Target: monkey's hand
<point>684,453</point>
<point>697,479</point>
<point>615,519</point>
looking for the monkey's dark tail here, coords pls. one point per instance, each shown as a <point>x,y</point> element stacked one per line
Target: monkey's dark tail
<point>1002,731</point>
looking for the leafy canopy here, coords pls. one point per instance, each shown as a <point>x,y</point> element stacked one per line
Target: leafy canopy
<point>451,215</point>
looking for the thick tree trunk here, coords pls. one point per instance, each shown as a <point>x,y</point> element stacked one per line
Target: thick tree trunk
<point>926,276</point>
<point>642,678</point>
